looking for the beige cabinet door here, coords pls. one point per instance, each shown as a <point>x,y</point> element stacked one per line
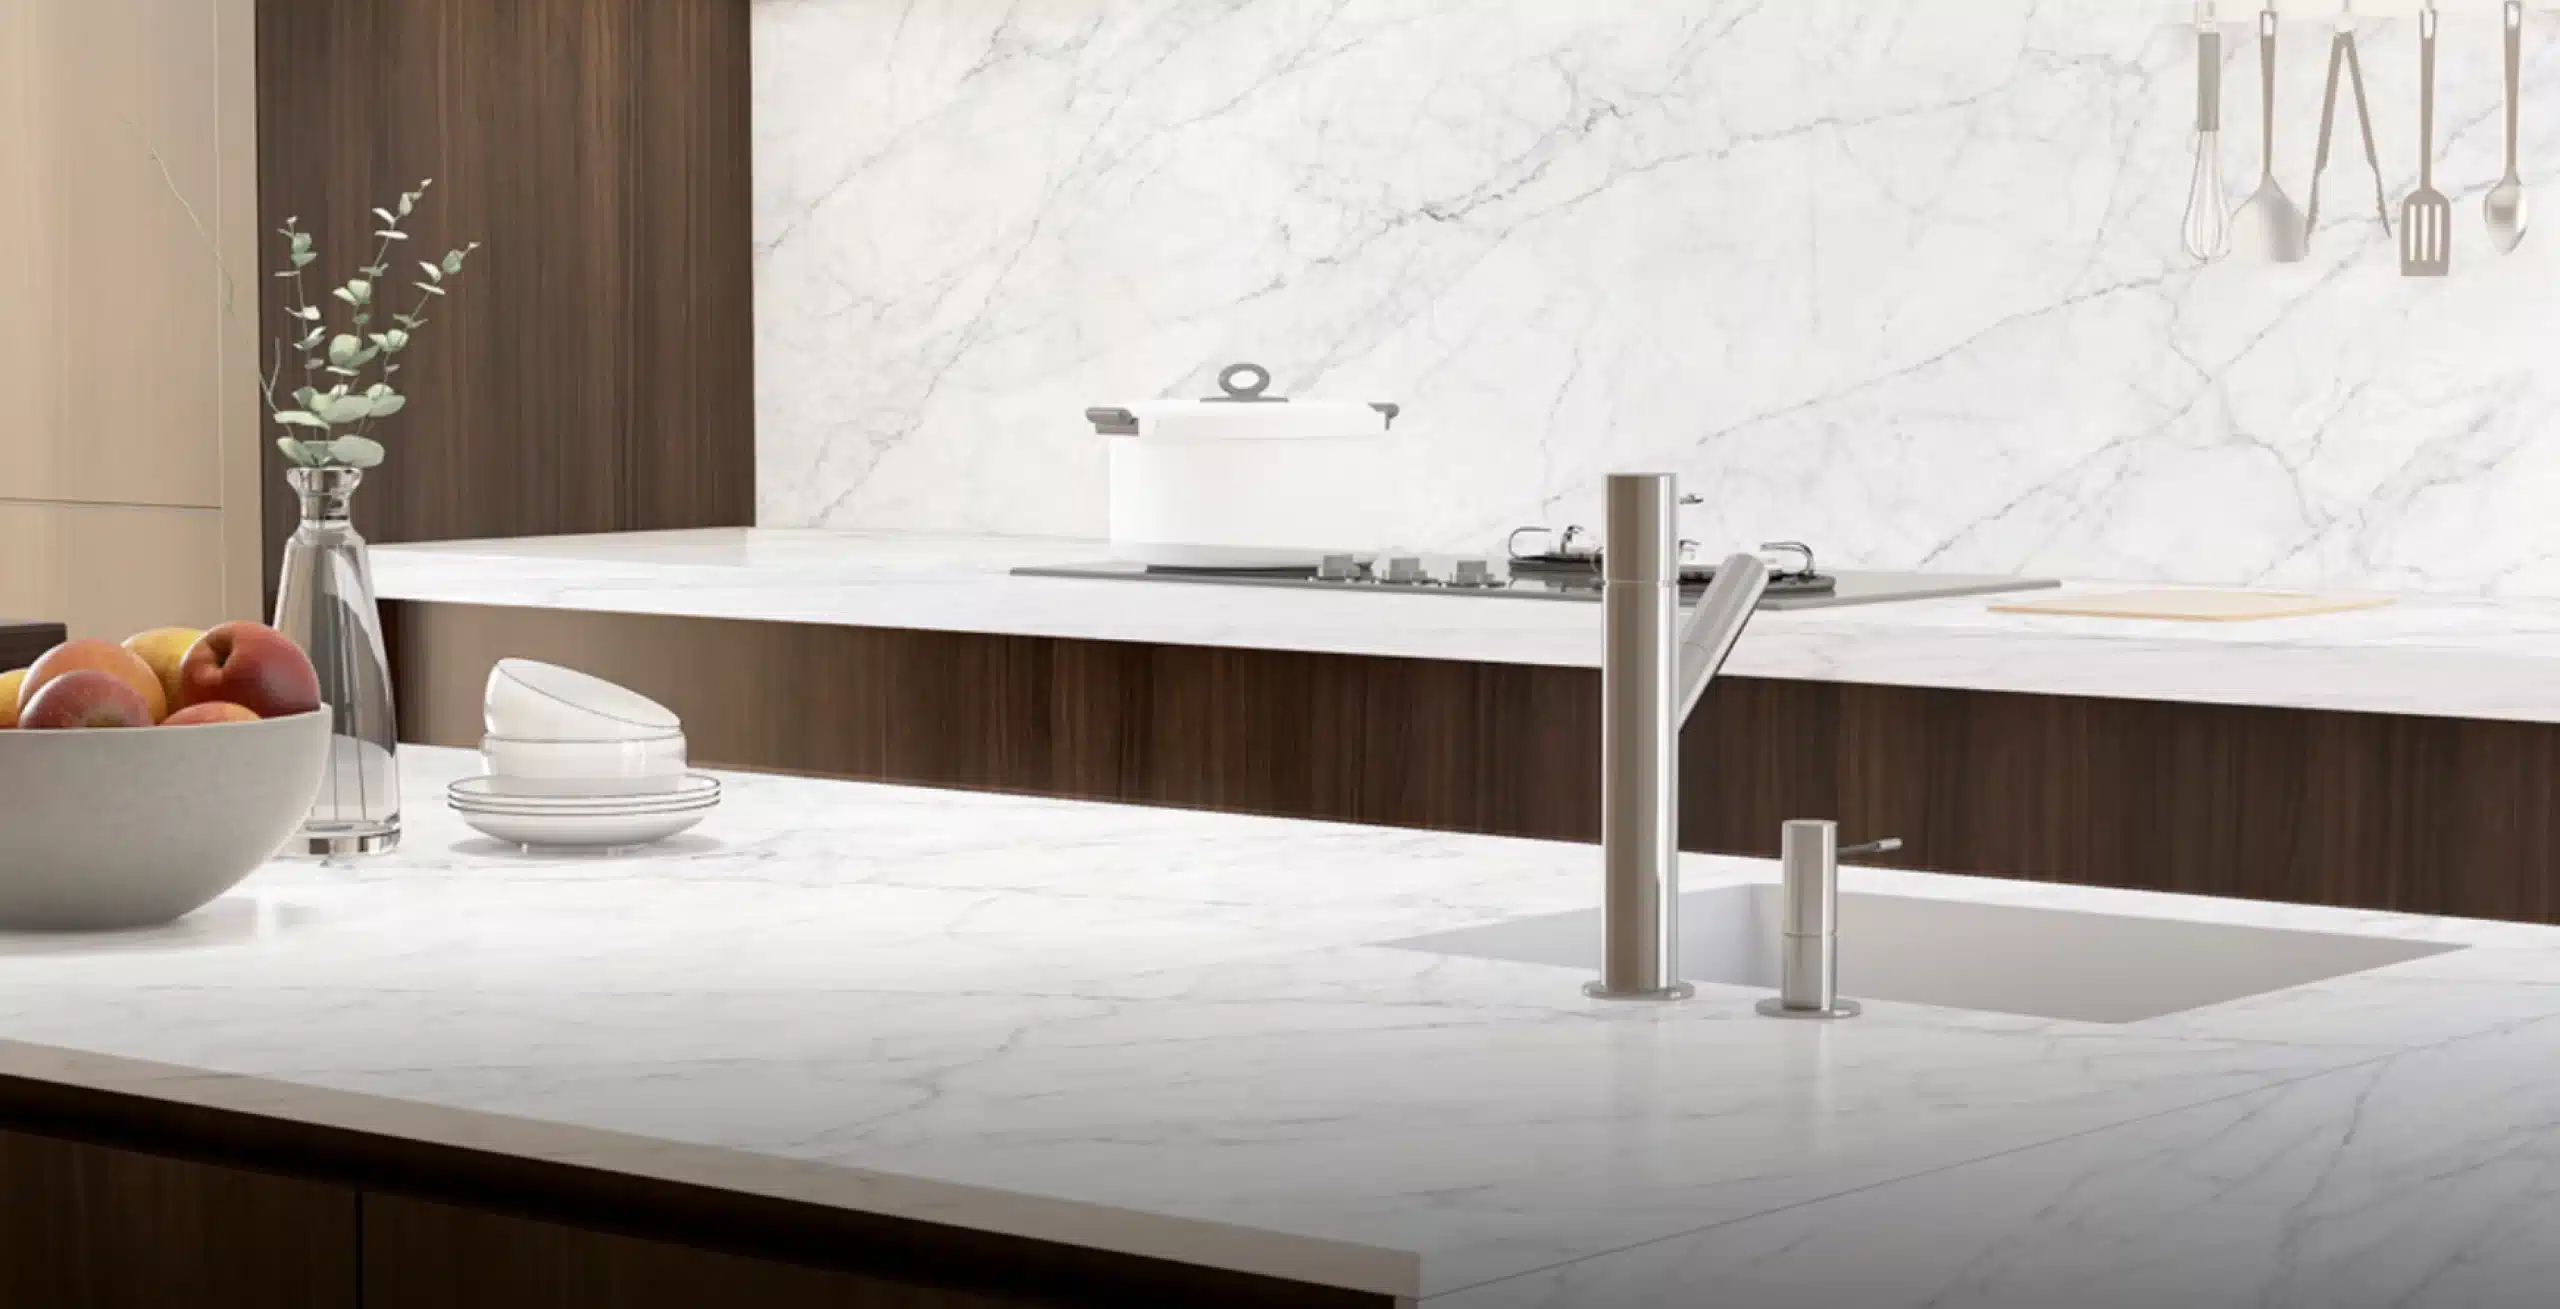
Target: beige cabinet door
<point>128,305</point>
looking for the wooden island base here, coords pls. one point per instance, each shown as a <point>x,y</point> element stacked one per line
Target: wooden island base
<point>116,1201</point>
<point>2369,811</point>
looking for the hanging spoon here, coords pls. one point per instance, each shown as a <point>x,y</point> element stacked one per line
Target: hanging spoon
<point>2274,227</point>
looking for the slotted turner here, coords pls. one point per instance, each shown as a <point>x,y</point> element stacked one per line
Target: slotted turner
<point>2426,218</point>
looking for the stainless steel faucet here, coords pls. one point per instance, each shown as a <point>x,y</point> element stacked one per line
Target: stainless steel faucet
<point>1652,675</point>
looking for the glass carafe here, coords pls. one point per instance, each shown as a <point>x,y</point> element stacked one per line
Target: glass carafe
<point>324,601</point>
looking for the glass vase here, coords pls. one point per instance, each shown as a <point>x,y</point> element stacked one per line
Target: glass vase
<point>324,601</point>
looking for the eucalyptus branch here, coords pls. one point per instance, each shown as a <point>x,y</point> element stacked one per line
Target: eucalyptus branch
<point>341,417</point>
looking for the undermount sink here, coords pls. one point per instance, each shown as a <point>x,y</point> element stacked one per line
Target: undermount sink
<point>2043,963</point>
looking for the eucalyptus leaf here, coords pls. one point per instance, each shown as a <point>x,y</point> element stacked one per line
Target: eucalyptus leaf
<point>343,348</point>
<point>385,215</point>
<point>310,313</point>
<point>356,451</point>
<point>407,203</point>
<point>336,370</point>
<point>344,294</point>
<point>341,409</point>
<point>428,287</point>
<point>453,261</point>
<point>292,448</point>
<point>392,234</point>
<point>434,274</point>
<point>389,403</point>
<point>297,418</point>
<point>305,396</point>
<point>361,289</point>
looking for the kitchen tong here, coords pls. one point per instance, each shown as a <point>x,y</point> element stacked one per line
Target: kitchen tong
<point>2342,52</point>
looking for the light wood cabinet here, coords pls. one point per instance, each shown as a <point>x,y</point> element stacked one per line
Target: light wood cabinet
<point>129,421</point>
<point>118,568</point>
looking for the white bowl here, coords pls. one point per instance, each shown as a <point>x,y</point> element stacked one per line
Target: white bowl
<point>138,826</point>
<point>517,766</point>
<point>545,702</point>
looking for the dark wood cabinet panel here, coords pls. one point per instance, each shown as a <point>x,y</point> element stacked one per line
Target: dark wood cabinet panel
<point>21,640</point>
<point>423,1255</point>
<point>419,1255</point>
<point>89,1227</point>
<point>2420,815</point>
<point>594,369</point>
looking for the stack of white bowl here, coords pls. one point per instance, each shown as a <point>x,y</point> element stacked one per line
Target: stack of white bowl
<point>574,760</point>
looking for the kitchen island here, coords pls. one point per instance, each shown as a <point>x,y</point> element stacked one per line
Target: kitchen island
<point>1020,1051</point>
<point>2399,758</point>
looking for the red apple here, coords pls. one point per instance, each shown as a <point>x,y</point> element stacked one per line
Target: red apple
<point>211,711</point>
<point>85,697</point>
<point>250,665</point>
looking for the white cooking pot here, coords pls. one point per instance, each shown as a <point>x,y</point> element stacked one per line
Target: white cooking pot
<point>1247,470</point>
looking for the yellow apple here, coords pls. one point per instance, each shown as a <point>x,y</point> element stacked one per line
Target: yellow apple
<point>9,696</point>
<point>164,649</point>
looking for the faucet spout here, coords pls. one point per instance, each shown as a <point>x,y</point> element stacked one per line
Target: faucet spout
<point>1716,624</point>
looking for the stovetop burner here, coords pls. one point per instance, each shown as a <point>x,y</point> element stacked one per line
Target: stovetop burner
<point>1568,562</point>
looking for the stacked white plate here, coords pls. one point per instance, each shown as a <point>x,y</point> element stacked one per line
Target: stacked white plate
<point>575,761</point>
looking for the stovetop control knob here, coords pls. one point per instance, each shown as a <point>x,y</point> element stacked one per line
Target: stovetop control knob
<point>1338,568</point>
<point>1406,570</point>
<point>1472,572</point>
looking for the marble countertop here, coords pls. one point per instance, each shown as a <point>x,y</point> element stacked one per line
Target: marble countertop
<point>2440,656</point>
<point>1178,1034</point>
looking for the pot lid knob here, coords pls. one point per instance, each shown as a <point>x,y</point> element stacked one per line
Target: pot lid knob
<point>1244,382</point>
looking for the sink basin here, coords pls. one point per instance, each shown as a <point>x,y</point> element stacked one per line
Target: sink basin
<point>2044,963</point>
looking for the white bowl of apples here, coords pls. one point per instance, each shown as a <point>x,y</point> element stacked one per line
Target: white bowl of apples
<point>140,781</point>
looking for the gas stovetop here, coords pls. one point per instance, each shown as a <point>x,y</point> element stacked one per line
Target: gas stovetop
<point>1529,577</point>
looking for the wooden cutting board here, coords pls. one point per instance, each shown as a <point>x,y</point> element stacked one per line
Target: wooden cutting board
<point>2195,606</point>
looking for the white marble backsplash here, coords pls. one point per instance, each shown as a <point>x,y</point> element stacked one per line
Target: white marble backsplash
<point>1898,277</point>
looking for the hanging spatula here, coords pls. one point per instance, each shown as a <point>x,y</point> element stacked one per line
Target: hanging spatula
<point>2426,218</point>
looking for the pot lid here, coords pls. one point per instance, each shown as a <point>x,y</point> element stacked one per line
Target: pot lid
<point>1245,410</point>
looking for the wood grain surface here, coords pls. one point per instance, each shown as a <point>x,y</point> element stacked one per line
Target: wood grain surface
<point>90,1227</point>
<point>2418,815</point>
<point>593,370</point>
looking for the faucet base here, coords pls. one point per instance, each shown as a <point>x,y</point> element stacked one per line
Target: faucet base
<point>1774,1007</point>
<point>1675,991</point>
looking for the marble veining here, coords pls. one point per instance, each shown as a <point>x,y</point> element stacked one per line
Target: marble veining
<point>2471,657</point>
<point>1899,277</point>
<point>1175,1033</point>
